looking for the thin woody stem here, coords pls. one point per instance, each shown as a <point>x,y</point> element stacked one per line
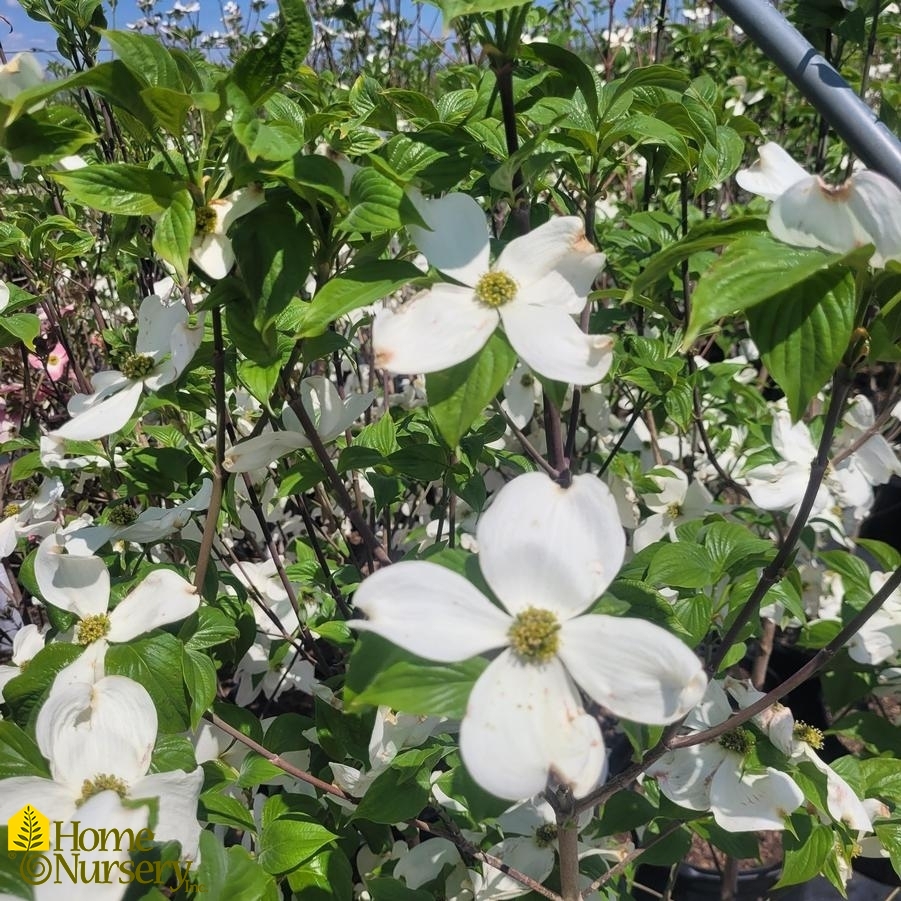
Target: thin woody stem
<point>212,513</point>
<point>820,659</point>
<point>774,571</point>
<point>567,844</point>
<point>344,498</point>
<point>329,788</point>
<point>630,858</point>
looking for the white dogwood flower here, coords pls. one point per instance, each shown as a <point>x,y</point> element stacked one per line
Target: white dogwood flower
<point>547,552</point>
<point>99,737</point>
<point>676,501</point>
<point>329,413</point>
<point>30,517</point>
<point>798,742</point>
<point>807,212</point>
<point>211,248</point>
<point>165,346</point>
<point>536,286</point>
<point>781,485</point>
<point>713,776</point>
<point>150,525</point>
<point>26,643</point>
<point>80,584</point>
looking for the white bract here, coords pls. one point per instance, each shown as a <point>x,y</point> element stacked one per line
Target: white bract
<point>329,413</point>
<point>807,212</point>
<point>165,346</point>
<point>99,737</point>
<point>677,500</point>
<point>547,552</point>
<point>879,639</point>
<point>713,776</point>
<point>211,248</point>
<point>80,584</point>
<point>536,286</point>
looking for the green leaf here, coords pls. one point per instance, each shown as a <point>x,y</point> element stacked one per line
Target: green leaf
<point>26,692</point>
<point>226,811</point>
<point>174,232</point>
<point>232,873</point>
<point>12,240</point>
<point>704,236</point>
<point>201,682</point>
<point>353,289</point>
<point>47,135</point>
<point>749,272</point>
<point>260,379</point>
<point>401,791</point>
<point>803,333</point>
<point>169,108</point>
<point>806,853</point>
<point>312,176</point>
<point>146,58</point>
<point>207,628</point>
<point>274,250</point>
<point>261,71</point>
<point>451,9</point>
<point>718,161</point>
<point>454,106</point>
<point>120,188</point>
<point>459,395</point>
<point>423,687</point>
<point>571,67</point>
<point>380,435</point>
<point>327,877</point>
<point>641,130</point>
<point>681,564</point>
<point>375,203</point>
<point>286,843</point>
<point>24,327</point>
<point>890,836</point>
<point>156,662</point>
<point>19,754</point>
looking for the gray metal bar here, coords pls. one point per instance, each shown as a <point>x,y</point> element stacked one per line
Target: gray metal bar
<point>867,136</point>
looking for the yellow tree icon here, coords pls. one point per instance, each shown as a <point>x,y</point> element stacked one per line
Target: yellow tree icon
<point>29,830</point>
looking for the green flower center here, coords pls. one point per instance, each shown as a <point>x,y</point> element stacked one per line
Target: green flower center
<point>92,628</point>
<point>137,366</point>
<point>534,635</point>
<point>739,741</point>
<point>102,783</point>
<point>674,511</point>
<point>121,515</point>
<point>11,509</point>
<point>494,289</point>
<point>809,734</point>
<point>546,835</point>
<point>204,220</point>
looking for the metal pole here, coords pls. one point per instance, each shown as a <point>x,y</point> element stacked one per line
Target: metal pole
<point>818,81</point>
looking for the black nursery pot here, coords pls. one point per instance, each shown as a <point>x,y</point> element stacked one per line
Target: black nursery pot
<point>693,884</point>
<point>878,868</point>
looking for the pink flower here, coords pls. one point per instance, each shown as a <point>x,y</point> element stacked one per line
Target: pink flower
<point>56,362</point>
